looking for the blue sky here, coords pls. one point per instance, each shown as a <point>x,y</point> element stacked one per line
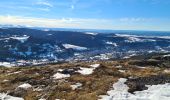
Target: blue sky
<point>88,14</point>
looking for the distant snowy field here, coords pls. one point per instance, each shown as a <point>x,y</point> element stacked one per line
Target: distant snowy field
<point>75,47</point>
<point>21,38</point>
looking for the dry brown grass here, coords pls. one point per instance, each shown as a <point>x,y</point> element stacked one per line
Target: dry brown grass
<point>93,85</point>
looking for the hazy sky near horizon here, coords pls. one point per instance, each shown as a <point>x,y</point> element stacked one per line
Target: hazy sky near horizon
<point>88,14</point>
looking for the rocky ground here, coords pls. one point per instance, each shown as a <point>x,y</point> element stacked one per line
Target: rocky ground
<point>83,80</point>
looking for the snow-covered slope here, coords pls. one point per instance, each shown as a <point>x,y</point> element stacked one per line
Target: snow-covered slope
<point>75,47</point>
<point>22,39</point>
<point>90,33</point>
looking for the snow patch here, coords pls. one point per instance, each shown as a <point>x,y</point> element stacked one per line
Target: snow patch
<point>37,89</point>
<point>127,57</point>
<point>46,30</point>
<point>111,43</point>
<point>6,64</point>
<point>4,96</point>
<point>119,66</point>
<point>60,76</point>
<point>119,91</point>
<point>85,71</point>
<point>95,65</point>
<point>75,86</point>
<point>164,37</point>
<point>90,33</point>
<point>154,92</point>
<point>5,80</point>
<point>167,71</point>
<point>122,71</point>
<point>135,38</point>
<point>88,71</point>
<point>125,35</point>
<point>41,99</point>
<point>70,46</point>
<point>167,55</point>
<point>22,39</point>
<point>49,34</point>
<point>25,86</point>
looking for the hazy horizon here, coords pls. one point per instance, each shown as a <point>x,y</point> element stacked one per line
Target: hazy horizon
<point>150,15</point>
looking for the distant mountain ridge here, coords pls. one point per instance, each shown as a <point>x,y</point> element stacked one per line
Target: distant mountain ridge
<point>105,31</point>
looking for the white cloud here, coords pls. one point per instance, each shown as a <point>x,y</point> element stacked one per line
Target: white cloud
<point>44,3</point>
<point>134,19</point>
<point>43,22</point>
<point>116,24</point>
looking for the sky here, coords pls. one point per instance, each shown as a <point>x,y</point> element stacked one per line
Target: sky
<point>88,14</point>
